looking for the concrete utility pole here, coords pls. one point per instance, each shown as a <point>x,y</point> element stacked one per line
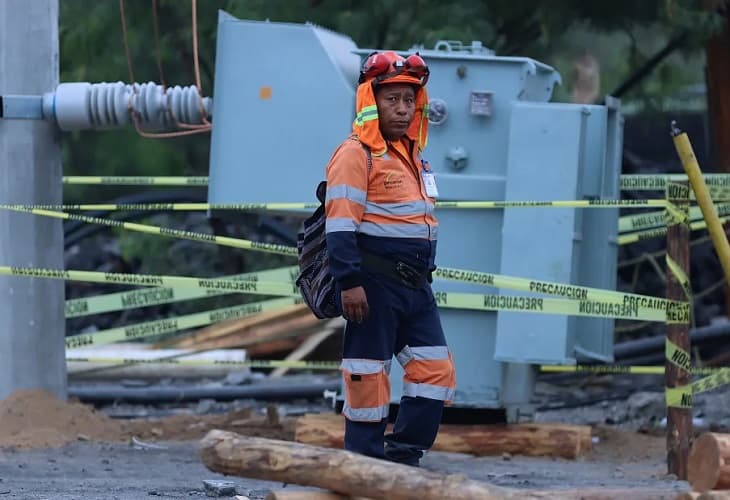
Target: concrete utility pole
<point>32,323</point>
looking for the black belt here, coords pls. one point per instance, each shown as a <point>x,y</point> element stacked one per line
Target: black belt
<point>399,271</point>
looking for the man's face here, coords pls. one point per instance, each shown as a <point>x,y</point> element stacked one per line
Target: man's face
<point>396,107</point>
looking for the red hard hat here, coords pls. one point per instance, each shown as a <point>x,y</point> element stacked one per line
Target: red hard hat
<point>389,67</point>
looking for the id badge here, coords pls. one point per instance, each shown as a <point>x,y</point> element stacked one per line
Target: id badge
<point>429,182</point>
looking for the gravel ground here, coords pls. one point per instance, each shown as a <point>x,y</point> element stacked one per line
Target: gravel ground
<point>629,451</point>
<point>89,470</point>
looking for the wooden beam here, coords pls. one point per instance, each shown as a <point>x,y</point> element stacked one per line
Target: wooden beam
<point>257,326</point>
<point>553,440</point>
<point>679,417</point>
<point>309,345</point>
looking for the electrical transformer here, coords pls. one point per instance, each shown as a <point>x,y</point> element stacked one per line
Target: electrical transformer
<point>284,99</point>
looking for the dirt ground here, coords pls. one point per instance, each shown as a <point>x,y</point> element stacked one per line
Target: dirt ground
<point>55,450</point>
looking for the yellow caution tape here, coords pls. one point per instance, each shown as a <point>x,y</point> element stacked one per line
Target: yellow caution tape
<point>681,397</point>
<point>621,369</point>
<point>714,381</point>
<point>592,308</point>
<point>681,276</point>
<point>655,219</point>
<point>522,284</point>
<point>162,231</point>
<point>674,312</point>
<point>678,397</point>
<point>626,239</point>
<point>642,221</point>
<point>601,203</point>
<point>675,214</point>
<point>137,180</point>
<point>659,182</point>
<point>335,365</point>
<point>215,284</point>
<point>561,290</point>
<point>677,356</point>
<point>175,324</point>
<point>252,363</point>
<point>628,182</point>
<point>147,297</point>
<point>676,191</point>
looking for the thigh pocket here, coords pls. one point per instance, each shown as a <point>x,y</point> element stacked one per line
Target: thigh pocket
<point>367,390</point>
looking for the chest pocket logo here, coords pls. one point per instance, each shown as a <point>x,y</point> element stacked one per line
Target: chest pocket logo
<point>393,180</point>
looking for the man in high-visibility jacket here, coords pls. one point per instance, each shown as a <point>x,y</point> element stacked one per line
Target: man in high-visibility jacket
<point>381,238</point>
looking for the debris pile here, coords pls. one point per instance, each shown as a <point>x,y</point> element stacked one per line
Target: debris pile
<point>36,419</point>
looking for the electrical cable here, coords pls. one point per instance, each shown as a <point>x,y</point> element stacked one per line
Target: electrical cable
<point>196,61</point>
<point>192,129</point>
<point>158,51</point>
<point>124,39</point>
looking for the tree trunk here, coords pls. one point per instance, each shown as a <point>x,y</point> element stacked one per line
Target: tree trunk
<point>709,462</point>
<point>336,470</point>
<point>717,53</point>
<point>553,440</point>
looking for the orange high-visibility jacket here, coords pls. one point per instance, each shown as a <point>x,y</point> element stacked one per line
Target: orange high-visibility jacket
<point>384,211</point>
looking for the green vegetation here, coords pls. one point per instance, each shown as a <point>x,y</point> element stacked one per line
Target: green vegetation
<point>621,34</point>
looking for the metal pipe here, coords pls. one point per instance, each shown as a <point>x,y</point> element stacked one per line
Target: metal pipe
<point>106,393</point>
<point>632,348</point>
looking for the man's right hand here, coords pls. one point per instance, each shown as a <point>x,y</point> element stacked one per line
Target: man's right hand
<point>355,304</point>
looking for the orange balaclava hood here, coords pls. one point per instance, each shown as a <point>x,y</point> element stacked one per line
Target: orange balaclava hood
<point>383,68</point>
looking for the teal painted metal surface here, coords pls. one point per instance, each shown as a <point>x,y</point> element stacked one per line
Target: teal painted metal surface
<point>499,138</point>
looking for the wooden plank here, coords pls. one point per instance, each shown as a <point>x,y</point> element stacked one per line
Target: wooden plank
<point>291,326</point>
<point>310,345</point>
<point>237,326</point>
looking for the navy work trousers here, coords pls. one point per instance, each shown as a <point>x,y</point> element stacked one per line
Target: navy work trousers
<point>401,318</point>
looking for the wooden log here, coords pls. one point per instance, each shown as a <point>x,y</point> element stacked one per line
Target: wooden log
<point>583,494</point>
<point>598,494</point>
<point>554,440</point>
<point>707,495</point>
<point>337,470</point>
<point>709,462</point>
<point>309,495</point>
<point>688,495</point>
<point>715,495</point>
<point>350,475</point>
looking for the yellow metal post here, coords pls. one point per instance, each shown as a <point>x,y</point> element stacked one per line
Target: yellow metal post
<point>704,200</point>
